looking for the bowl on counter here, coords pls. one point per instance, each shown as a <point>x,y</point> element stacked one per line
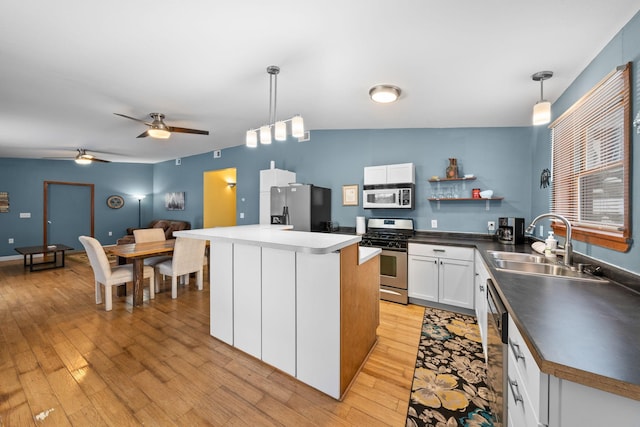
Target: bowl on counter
<point>486,194</point>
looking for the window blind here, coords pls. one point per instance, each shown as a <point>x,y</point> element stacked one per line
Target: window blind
<point>590,158</point>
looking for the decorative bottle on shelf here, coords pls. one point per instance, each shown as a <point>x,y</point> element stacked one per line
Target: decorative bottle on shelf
<point>452,169</point>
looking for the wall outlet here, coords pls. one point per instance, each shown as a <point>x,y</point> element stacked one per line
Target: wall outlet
<point>434,223</point>
<point>491,226</point>
<point>241,215</point>
<point>11,240</point>
<point>25,214</point>
<point>217,154</point>
<point>110,234</point>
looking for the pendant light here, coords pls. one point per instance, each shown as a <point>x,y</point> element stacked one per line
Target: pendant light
<point>280,126</point>
<point>542,108</point>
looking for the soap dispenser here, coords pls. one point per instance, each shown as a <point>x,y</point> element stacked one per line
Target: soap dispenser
<point>550,245</point>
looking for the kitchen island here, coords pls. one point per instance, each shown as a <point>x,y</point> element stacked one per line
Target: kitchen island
<point>305,303</point>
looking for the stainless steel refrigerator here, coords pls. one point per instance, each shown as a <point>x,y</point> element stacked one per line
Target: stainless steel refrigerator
<point>305,206</point>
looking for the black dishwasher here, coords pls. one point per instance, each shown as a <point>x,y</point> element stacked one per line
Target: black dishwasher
<point>497,338</point>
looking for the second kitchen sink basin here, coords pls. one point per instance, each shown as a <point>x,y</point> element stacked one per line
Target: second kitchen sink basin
<point>556,270</point>
<point>519,257</point>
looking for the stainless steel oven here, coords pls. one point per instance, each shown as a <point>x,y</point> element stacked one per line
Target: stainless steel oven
<point>497,363</point>
<point>391,235</point>
<point>393,276</point>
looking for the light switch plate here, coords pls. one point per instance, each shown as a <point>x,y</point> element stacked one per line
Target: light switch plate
<point>434,223</point>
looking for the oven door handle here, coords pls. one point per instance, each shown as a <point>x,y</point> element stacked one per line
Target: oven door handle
<point>390,292</point>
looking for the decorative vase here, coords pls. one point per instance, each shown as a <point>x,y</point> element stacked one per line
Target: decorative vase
<point>452,169</point>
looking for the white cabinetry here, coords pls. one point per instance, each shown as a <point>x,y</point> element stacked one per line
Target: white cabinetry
<point>271,178</point>
<point>278,309</point>
<point>221,291</point>
<point>402,173</point>
<point>527,388</point>
<point>247,301</point>
<point>481,276</point>
<point>441,274</point>
<point>538,399</point>
<point>318,321</point>
<point>375,175</point>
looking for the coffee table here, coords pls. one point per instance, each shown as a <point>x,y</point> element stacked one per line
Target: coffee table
<point>30,251</point>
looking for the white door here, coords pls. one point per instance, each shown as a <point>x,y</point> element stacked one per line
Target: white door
<point>423,277</point>
<point>456,282</point>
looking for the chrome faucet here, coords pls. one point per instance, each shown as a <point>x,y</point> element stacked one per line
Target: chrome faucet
<point>568,248</point>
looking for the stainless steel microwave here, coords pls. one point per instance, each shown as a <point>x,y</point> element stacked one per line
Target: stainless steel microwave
<point>388,196</point>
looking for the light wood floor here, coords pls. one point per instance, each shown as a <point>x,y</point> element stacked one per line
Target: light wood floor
<point>65,361</point>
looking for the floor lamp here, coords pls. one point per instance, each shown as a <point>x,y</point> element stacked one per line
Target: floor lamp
<point>140,197</point>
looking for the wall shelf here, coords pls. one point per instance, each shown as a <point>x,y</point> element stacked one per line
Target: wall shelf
<point>452,179</point>
<point>451,189</point>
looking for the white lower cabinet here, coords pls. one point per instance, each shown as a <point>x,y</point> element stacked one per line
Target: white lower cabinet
<point>441,274</point>
<point>318,321</point>
<point>221,291</point>
<point>537,399</point>
<point>247,299</point>
<point>481,276</point>
<point>279,309</point>
<point>527,387</point>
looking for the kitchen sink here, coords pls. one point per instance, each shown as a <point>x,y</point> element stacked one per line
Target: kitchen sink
<point>544,269</point>
<point>519,257</point>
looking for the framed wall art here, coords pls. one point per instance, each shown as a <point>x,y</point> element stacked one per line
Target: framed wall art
<point>174,201</point>
<point>350,195</point>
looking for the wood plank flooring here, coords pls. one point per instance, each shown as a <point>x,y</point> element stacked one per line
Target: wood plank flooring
<point>65,361</point>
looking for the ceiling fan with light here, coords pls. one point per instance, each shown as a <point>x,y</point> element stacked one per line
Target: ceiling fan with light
<point>82,158</point>
<point>159,129</point>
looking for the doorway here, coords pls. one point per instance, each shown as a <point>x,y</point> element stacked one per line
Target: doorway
<point>219,198</point>
<point>68,212</point>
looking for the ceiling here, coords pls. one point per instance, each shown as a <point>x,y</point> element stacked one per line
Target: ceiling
<point>67,66</point>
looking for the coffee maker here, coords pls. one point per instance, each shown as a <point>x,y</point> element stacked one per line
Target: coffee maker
<point>510,230</point>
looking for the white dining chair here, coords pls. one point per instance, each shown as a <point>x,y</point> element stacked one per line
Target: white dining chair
<point>187,258</point>
<point>144,235</point>
<point>108,275</point>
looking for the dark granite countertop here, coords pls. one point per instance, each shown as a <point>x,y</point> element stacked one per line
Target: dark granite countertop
<point>583,331</point>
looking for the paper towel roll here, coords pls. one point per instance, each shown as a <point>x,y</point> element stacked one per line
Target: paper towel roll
<point>360,226</point>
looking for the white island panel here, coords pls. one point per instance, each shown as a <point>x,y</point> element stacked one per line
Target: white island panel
<point>318,321</point>
<point>279,309</point>
<point>221,292</point>
<point>247,299</point>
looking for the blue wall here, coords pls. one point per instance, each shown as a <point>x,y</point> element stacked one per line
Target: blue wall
<point>23,180</point>
<point>625,47</point>
<point>499,157</point>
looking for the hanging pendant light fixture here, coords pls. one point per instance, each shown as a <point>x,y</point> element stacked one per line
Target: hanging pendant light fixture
<point>542,108</point>
<point>280,126</point>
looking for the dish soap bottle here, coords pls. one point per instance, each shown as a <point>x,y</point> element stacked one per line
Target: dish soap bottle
<point>550,245</point>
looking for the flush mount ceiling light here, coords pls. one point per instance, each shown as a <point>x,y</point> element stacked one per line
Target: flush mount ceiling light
<point>542,108</point>
<point>384,94</point>
<point>280,126</point>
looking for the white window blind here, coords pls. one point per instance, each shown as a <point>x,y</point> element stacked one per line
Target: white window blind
<point>590,159</point>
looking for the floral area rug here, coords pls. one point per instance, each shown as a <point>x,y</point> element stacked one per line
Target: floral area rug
<point>449,386</point>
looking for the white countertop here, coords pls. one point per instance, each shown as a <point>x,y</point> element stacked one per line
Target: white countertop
<point>365,253</point>
<point>277,237</point>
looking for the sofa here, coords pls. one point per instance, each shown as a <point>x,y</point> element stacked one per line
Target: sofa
<point>168,225</point>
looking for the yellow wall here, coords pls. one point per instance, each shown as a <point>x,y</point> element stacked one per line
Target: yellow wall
<point>219,198</point>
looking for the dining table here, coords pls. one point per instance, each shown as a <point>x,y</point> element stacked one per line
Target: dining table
<point>137,252</point>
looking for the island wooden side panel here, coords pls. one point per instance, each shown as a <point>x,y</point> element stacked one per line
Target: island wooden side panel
<point>359,312</point>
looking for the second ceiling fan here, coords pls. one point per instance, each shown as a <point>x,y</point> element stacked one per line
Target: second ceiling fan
<point>159,129</point>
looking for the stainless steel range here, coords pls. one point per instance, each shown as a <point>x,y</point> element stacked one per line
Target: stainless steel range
<point>391,235</point>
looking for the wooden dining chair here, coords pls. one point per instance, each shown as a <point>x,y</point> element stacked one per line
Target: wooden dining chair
<point>108,275</point>
<point>187,258</point>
